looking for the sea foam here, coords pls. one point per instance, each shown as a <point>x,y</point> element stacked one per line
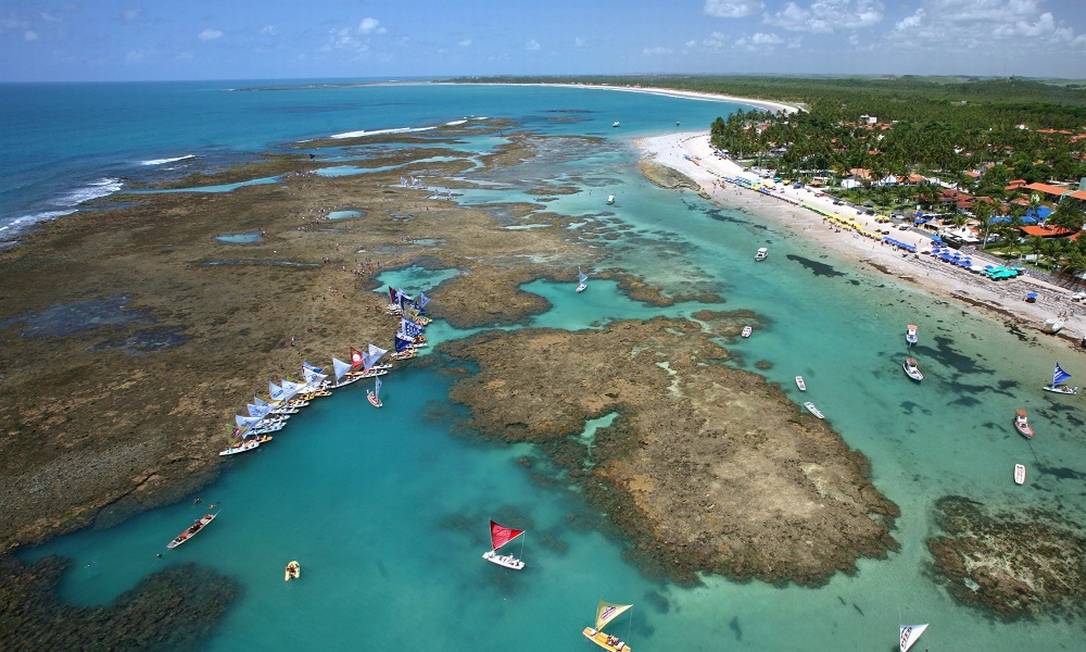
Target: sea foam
<point>163,161</point>
<point>377,132</point>
<point>93,190</point>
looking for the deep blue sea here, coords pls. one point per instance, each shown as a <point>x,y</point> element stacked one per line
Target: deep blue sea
<point>387,510</point>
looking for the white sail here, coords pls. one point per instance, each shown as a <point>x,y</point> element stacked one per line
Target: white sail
<point>259,402</point>
<point>313,378</point>
<point>377,389</point>
<point>276,392</point>
<point>581,276</point>
<point>246,422</point>
<point>290,388</point>
<point>340,367</point>
<point>375,352</point>
<point>608,611</point>
<point>254,410</point>
<point>910,634</point>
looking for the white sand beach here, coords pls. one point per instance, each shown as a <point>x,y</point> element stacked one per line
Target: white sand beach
<point>691,154</point>
<point>769,105</point>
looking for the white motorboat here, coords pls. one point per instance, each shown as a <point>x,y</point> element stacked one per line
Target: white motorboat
<point>610,199</point>
<point>912,370</point>
<point>243,447</point>
<point>911,336</point>
<point>761,254</point>
<point>1059,377</point>
<point>746,332</point>
<point>499,536</point>
<point>1021,423</point>
<point>1053,326</point>
<point>801,384</point>
<point>814,410</point>
<point>1019,474</point>
<point>616,123</point>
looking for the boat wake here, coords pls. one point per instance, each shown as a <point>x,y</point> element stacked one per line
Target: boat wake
<point>163,161</point>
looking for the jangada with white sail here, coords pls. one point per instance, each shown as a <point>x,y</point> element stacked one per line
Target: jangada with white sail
<point>908,635</point>
<point>605,613</point>
<point>1059,377</point>
<point>374,395</point>
<point>499,536</point>
<point>582,281</point>
<point>340,369</point>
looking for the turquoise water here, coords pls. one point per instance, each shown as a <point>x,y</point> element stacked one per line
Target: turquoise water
<point>221,187</point>
<point>344,215</point>
<point>387,509</point>
<point>248,237</point>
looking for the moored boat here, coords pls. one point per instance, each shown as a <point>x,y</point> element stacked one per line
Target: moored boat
<point>911,336</point>
<point>746,332</point>
<point>191,531</point>
<point>761,254</point>
<point>245,446</point>
<point>610,199</point>
<point>1019,474</point>
<point>616,123</point>
<point>1059,377</point>
<point>605,613</point>
<point>374,395</point>
<point>582,281</point>
<point>1021,424</point>
<point>801,384</point>
<point>813,409</point>
<point>1053,326</point>
<point>912,370</point>
<point>499,536</point>
<point>908,635</point>
<point>293,571</point>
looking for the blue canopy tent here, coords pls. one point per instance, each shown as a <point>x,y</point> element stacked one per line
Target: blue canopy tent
<point>1032,216</point>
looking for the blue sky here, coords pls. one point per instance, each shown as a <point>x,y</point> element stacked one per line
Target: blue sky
<point>251,39</point>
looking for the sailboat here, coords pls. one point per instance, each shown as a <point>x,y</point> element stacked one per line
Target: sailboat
<point>605,613</point>
<point>582,281</point>
<point>910,334</point>
<point>394,307</point>
<point>340,369</point>
<point>1059,377</point>
<point>499,536</point>
<point>908,635</point>
<point>404,350</point>
<point>374,395</point>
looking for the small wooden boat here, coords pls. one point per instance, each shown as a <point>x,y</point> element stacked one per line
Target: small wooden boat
<point>1059,377</point>
<point>801,384</point>
<point>374,395</point>
<point>191,531</point>
<point>814,410</point>
<point>746,332</point>
<point>761,254</point>
<point>499,536</point>
<point>605,613</point>
<point>1019,474</point>
<point>911,336</point>
<point>912,370</point>
<point>293,571</point>
<point>1021,424</point>
<point>908,635</point>
<point>406,354</point>
<point>264,430</point>
<point>246,446</point>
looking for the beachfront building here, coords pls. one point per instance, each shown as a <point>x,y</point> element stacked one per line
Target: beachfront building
<point>849,183</point>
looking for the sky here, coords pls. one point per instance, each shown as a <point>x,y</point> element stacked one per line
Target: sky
<point>106,40</point>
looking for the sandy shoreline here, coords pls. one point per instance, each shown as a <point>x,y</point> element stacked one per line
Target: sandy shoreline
<point>691,154</point>
<point>769,105</point>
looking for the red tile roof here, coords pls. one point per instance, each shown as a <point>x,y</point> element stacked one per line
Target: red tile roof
<point>1048,189</point>
<point>1047,231</point>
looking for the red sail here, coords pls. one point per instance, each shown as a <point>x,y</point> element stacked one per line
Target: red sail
<point>356,358</point>
<point>391,294</point>
<point>501,535</point>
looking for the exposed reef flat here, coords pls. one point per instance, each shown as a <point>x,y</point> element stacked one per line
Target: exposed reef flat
<point>1015,565</point>
<point>666,177</point>
<point>172,609</point>
<point>706,468</point>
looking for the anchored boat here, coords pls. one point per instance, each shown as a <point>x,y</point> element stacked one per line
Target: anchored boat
<point>1021,424</point>
<point>1059,377</point>
<point>801,384</point>
<point>605,613</point>
<point>1019,474</point>
<point>582,281</point>
<point>246,446</point>
<point>616,123</point>
<point>912,370</point>
<point>374,395</point>
<point>191,531</point>
<point>610,199</point>
<point>499,536</point>
<point>908,635</point>
<point>910,334</point>
<point>814,410</point>
<point>761,254</point>
<point>746,332</point>
<point>293,571</point>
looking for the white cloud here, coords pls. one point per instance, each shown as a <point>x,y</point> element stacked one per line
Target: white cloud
<point>209,34</point>
<point>732,8</point>
<point>30,35</point>
<point>982,24</point>
<point>691,43</point>
<point>370,25</point>
<point>344,38</point>
<point>464,42</point>
<point>13,23</point>
<point>532,45</point>
<point>269,30</point>
<point>759,41</point>
<point>827,15</point>
<point>657,51</point>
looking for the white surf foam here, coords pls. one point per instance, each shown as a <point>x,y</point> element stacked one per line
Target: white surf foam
<point>455,123</point>
<point>20,223</point>
<point>100,188</point>
<point>162,161</point>
<point>377,132</point>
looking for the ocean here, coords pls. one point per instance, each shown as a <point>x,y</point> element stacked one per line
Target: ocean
<point>387,509</point>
